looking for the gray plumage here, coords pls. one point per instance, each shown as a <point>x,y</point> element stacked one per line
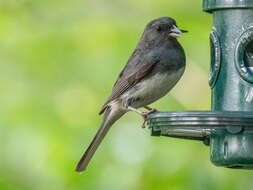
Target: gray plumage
<point>155,66</point>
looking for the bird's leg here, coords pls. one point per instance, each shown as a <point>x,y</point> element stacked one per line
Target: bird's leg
<point>150,109</point>
<point>143,114</point>
<point>147,107</point>
<point>135,110</point>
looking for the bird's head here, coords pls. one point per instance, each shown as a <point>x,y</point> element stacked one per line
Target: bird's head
<point>162,28</point>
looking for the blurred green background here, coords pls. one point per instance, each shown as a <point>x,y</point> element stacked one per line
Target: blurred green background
<point>58,62</point>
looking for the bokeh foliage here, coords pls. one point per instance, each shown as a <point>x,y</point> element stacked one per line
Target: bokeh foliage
<point>58,62</point>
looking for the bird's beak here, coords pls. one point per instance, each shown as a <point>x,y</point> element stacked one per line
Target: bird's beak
<point>175,32</point>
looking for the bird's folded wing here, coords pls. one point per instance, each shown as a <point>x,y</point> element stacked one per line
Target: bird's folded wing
<point>128,79</point>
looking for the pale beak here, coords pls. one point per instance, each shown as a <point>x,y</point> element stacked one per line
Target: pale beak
<point>175,32</point>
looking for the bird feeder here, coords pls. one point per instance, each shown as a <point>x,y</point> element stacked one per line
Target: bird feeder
<point>228,127</point>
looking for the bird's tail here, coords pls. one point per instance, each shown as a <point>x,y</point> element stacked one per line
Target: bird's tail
<point>110,117</point>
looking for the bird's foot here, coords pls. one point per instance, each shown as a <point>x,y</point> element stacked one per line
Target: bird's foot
<point>150,109</point>
<point>143,114</point>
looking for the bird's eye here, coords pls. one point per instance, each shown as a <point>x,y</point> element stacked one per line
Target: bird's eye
<point>158,28</point>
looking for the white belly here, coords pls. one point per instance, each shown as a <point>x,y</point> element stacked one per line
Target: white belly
<point>151,89</point>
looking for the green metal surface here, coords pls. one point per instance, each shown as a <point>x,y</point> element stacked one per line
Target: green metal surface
<point>203,119</point>
<point>233,90</point>
<point>228,127</point>
<point>201,125</point>
<point>232,150</point>
<point>213,5</point>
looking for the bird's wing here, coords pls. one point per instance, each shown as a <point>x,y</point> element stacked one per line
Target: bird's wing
<point>135,69</point>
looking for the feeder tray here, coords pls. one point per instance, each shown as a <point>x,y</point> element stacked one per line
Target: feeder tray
<point>229,133</point>
<point>201,123</point>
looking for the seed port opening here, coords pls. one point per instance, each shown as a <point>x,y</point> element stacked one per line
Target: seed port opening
<point>248,57</point>
<point>244,55</point>
<point>215,53</point>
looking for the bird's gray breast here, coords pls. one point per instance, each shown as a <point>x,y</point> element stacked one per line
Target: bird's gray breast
<point>163,77</point>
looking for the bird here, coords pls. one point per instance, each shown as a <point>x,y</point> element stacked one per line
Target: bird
<point>153,69</point>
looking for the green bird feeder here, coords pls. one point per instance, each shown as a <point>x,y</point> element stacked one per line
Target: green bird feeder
<point>228,127</point>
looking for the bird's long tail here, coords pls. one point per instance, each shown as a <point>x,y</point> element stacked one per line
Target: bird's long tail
<point>110,117</point>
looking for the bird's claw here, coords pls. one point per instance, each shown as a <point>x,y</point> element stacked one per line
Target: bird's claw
<point>152,111</point>
<point>145,116</point>
<point>143,124</point>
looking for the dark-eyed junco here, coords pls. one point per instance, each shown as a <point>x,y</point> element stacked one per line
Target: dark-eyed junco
<point>155,66</point>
